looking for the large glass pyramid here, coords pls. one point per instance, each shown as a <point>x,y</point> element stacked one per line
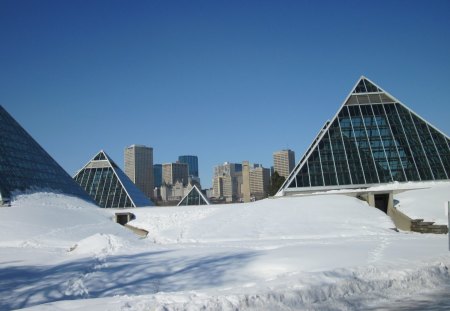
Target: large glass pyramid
<point>25,165</point>
<point>108,185</point>
<point>194,197</point>
<point>373,139</point>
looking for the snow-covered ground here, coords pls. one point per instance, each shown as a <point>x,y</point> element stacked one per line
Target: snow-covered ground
<point>322,252</point>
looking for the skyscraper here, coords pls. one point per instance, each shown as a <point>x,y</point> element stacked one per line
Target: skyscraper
<point>245,188</point>
<point>157,175</point>
<point>259,182</point>
<point>173,172</point>
<point>139,167</point>
<point>373,139</point>
<point>192,162</point>
<point>227,181</point>
<point>284,162</point>
<point>25,165</point>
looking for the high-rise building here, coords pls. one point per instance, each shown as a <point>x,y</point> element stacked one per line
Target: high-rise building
<point>227,181</point>
<point>173,172</point>
<point>284,162</point>
<point>259,182</point>
<point>108,185</point>
<point>139,167</point>
<point>245,188</point>
<point>157,175</point>
<point>373,139</point>
<point>25,165</point>
<point>192,162</point>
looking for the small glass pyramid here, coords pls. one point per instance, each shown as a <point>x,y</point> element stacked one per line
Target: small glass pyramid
<point>194,197</point>
<point>108,185</point>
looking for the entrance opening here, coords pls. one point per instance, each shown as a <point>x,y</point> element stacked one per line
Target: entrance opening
<point>382,201</point>
<point>124,218</point>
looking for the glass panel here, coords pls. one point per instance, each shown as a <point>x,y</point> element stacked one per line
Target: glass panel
<point>443,148</point>
<point>370,87</point>
<point>432,154</point>
<point>24,164</point>
<point>360,88</point>
<point>417,151</point>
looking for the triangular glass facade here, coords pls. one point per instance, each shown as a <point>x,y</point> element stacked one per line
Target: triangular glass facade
<point>373,139</point>
<point>25,165</point>
<point>194,197</point>
<point>108,185</point>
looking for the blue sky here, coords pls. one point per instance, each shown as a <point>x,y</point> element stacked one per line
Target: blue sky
<point>223,80</point>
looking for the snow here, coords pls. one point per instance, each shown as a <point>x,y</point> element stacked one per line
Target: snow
<point>320,252</point>
<point>428,203</point>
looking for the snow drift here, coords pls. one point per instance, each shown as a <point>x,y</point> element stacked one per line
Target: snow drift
<point>322,252</point>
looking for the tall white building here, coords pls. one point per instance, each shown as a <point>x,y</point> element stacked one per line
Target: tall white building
<point>139,167</point>
<point>284,162</point>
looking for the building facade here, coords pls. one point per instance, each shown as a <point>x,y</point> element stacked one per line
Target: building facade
<point>373,139</point>
<point>227,181</point>
<point>192,162</point>
<point>25,165</point>
<point>157,175</point>
<point>284,162</point>
<point>245,188</point>
<point>139,167</point>
<point>259,182</point>
<point>173,172</point>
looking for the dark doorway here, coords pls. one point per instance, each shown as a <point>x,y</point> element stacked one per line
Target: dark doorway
<point>124,218</point>
<point>382,201</point>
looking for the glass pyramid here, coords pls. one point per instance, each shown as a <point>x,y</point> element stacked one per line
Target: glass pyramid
<point>194,197</point>
<point>373,139</point>
<point>108,185</point>
<point>25,165</point>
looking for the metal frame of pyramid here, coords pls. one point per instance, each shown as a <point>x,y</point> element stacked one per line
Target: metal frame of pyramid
<point>373,139</point>
<point>201,198</point>
<point>108,185</point>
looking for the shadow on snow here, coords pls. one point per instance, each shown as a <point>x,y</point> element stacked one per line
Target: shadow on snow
<point>136,274</point>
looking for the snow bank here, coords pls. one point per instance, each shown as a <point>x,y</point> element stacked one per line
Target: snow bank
<point>286,218</point>
<point>329,252</point>
<point>427,203</point>
<point>345,289</point>
<point>98,244</point>
<point>53,220</point>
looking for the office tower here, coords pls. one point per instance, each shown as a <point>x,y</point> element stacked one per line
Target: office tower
<point>173,172</point>
<point>284,162</point>
<point>373,139</point>
<point>227,181</point>
<point>192,162</point>
<point>25,165</point>
<point>157,175</point>
<point>139,167</point>
<point>245,188</point>
<point>259,182</point>
<point>108,185</point>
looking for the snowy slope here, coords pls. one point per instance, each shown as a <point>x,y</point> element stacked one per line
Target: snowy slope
<point>427,203</point>
<point>278,219</point>
<point>329,252</point>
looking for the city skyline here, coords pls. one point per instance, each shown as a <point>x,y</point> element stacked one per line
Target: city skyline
<point>265,76</point>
